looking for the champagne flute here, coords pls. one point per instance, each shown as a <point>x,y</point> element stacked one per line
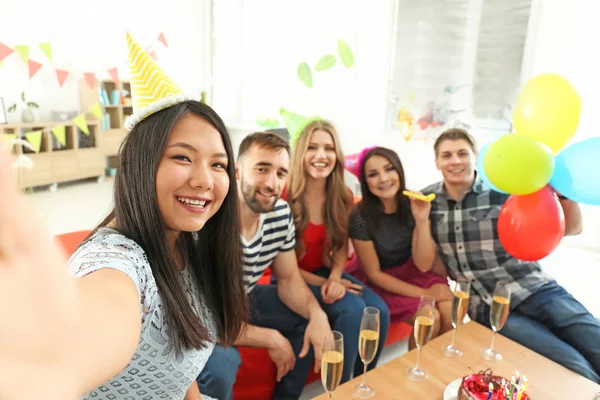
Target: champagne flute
<point>332,363</point>
<point>424,321</point>
<point>460,305</point>
<point>368,342</point>
<point>498,315</point>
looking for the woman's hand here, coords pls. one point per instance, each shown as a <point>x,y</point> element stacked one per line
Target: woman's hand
<point>441,292</point>
<point>420,209</point>
<point>352,287</point>
<point>38,303</point>
<point>332,290</point>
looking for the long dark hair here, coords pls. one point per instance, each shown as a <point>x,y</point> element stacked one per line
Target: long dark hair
<point>214,253</point>
<point>370,207</point>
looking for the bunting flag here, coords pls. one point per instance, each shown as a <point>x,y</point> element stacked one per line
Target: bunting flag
<point>90,78</point>
<point>47,49</point>
<point>81,123</point>
<point>151,52</point>
<point>34,67</point>
<point>114,74</point>
<point>60,133</point>
<point>35,138</point>
<point>97,110</point>
<point>23,51</point>
<point>5,51</point>
<point>161,38</point>
<point>61,75</point>
<point>5,139</point>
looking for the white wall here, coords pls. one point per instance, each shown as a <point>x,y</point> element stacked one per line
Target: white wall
<point>272,37</point>
<point>89,36</point>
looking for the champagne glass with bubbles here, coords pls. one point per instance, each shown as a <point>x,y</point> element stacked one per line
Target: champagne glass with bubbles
<point>498,316</point>
<point>423,329</point>
<point>368,342</point>
<point>332,363</point>
<point>460,306</point>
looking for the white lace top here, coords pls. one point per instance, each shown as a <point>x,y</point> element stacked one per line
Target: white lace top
<point>154,372</point>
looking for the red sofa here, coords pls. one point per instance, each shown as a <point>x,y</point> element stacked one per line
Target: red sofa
<point>256,377</point>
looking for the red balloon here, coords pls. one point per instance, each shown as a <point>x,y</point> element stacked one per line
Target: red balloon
<point>531,226</point>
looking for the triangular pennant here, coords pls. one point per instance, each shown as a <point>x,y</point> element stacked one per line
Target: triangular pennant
<point>151,52</point>
<point>5,139</point>
<point>47,49</point>
<point>97,110</point>
<point>23,51</point>
<point>35,138</point>
<point>61,75</point>
<point>90,78</point>
<point>34,67</point>
<point>114,74</point>
<point>81,123</point>
<point>5,51</point>
<point>60,132</point>
<point>161,38</point>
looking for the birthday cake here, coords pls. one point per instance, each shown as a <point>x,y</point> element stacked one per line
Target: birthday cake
<point>478,387</point>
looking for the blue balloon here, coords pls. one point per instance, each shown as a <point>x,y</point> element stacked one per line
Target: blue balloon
<point>577,172</point>
<point>481,170</point>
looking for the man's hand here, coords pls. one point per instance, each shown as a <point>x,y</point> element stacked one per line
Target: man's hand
<point>282,354</point>
<point>318,332</point>
<point>332,290</point>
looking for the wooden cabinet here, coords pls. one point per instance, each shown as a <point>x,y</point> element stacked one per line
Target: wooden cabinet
<point>81,158</point>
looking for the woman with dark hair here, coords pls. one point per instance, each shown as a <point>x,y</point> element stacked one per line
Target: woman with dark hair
<point>391,238</point>
<point>150,291</point>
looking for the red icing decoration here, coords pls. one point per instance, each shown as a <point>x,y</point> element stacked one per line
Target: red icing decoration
<point>477,386</point>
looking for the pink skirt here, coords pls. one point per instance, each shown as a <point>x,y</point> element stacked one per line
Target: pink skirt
<point>401,308</point>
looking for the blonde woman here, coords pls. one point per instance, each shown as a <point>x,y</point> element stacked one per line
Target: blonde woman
<point>320,202</point>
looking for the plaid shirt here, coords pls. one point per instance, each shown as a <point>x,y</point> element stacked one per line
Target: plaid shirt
<point>466,233</point>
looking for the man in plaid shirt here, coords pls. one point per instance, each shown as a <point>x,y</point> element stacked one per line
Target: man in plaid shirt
<point>464,217</point>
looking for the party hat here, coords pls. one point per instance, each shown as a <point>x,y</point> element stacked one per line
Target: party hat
<point>151,89</point>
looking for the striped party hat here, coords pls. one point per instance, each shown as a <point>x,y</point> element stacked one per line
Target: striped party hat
<point>151,89</point>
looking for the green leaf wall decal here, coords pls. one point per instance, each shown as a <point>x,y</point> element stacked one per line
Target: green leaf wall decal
<point>345,54</point>
<point>305,74</point>
<point>326,62</point>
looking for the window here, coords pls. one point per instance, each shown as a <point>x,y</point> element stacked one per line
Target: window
<point>455,63</point>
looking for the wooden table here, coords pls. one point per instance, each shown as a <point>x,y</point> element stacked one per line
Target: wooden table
<point>547,379</point>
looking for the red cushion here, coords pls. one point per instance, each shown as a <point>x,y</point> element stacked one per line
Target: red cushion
<point>70,241</point>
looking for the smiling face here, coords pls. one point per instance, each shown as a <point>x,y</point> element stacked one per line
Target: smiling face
<point>382,178</point>
<point>262,174</point>
<point>192,179</point>
<point>320,156</point>
<point>456,161</point>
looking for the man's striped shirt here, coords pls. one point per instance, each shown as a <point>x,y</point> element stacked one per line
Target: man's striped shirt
<point>276,232</point>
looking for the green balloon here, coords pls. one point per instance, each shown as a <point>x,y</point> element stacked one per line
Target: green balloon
<point>518,164</point>
<point>295,123</point>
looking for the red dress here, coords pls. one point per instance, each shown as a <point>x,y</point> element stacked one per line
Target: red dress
<point>313,239</point>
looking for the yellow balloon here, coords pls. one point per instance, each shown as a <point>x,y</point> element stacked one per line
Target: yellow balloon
<point>548,110</point>
<point>518,164</point>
